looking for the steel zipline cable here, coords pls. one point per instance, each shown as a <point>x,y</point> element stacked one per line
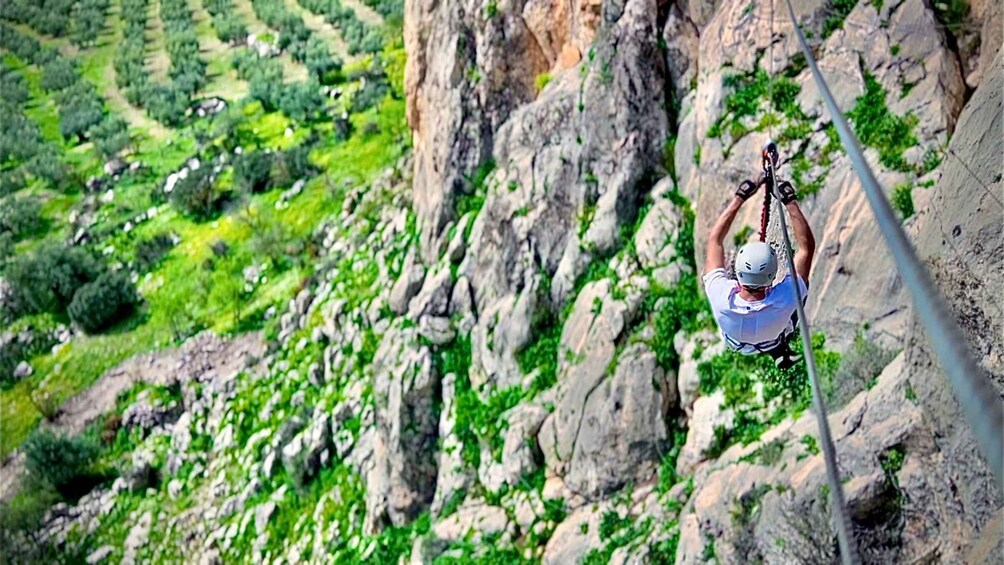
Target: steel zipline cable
<point>979,401</point>
<point>845,539</point>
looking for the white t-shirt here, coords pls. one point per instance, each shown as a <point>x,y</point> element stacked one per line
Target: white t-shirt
<point>751,322</point>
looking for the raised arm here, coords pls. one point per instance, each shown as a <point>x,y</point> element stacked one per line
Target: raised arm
<point>803,233</point>
<point>715,251</point>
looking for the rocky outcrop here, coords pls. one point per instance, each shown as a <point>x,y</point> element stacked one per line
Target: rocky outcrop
<point>959,238</point>
<point>573,166</point>
<point>405,387</point>
<point>468,67</point>
<point>775,489</point>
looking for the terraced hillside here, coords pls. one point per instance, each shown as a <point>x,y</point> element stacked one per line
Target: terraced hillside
<point>158,162</point>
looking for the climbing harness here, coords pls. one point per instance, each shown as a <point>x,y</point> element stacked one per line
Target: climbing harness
<point>979,401</point>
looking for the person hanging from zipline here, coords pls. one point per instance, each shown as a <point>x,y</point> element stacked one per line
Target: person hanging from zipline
<point>755,314</point>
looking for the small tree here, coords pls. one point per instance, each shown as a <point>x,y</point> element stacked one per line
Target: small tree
<point>166,104</point>
<point>47,279</point>
<point>292,164</point>
<point>21,216</point>
<point>321,64</point>
<point>15,91</point>
<point>252,171</point>
<point>11,181</point>
<point>195,194</point>
<point>47,165</point>
<point>302,101</point>
<point>15,126</point>
<point>63,462</point>
<point>99,304</point>
<point>59,74</point>
<point>110,136</point>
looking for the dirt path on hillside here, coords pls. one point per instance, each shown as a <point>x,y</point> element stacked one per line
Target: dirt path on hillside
<point>157,60</point>
<point>322,29</point>
<point>205,356</point>
<point>221,77</point>
<point>291,70</point>
<point>365,14</point>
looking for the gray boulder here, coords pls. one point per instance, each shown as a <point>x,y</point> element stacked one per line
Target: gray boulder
<point>408,284</point>
<point>402,481</point>
<point>623,434</point>
<point>308,451</point>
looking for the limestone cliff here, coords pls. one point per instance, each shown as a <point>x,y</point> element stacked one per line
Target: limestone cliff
<point>507,356</point>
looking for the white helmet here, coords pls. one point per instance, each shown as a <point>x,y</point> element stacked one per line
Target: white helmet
<point>756,265</point>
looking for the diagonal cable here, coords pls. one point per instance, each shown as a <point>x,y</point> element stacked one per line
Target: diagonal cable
<point>848,547</point>
<point>980,403</point>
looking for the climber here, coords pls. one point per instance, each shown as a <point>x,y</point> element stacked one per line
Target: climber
<point>755,314</point>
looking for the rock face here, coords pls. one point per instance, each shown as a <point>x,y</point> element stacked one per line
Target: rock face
<point>465,74</point>
<point>572,166</point>
<point>958,237</point>
<point>606,430</point>
<point>405,444</point>
<point>753,496</point>
<point>852,283</point>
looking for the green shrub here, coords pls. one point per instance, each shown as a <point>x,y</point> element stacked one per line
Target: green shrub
<point>14,88</point>
<point>149,252</point>
<point>879,128</point>
<point>11,181</point>
<point>61,461</point>
<point>302,101</point>
<point>23,515</point>
<point>291,165</point>
<point>59,74</point>
<point>99,304</point>
<point>20,217</point>
<point>110,136</point>
<point>860,365</point>
<point>47,164</point>
<point>252,171</point>
<point>196,194</point>
<point>839,10</point>
<point>902,199</point>
<point>543,79</point>
<point>46,279</point>
<point>952,13</point>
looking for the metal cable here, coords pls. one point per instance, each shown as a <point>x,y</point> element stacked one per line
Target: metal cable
<point>848,547</point>
<point>979,401</point>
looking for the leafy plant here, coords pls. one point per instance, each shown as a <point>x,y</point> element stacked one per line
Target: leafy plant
<point>902,199</point>
<point>61,461</point>
<point>542,80</point>
<point>858,366</point>
<point>879,128</point>
<point>839,10</point>
<point>99,304</point>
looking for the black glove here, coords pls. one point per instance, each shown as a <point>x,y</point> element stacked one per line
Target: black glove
<point>787,192</point>
<point>746,189</point>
